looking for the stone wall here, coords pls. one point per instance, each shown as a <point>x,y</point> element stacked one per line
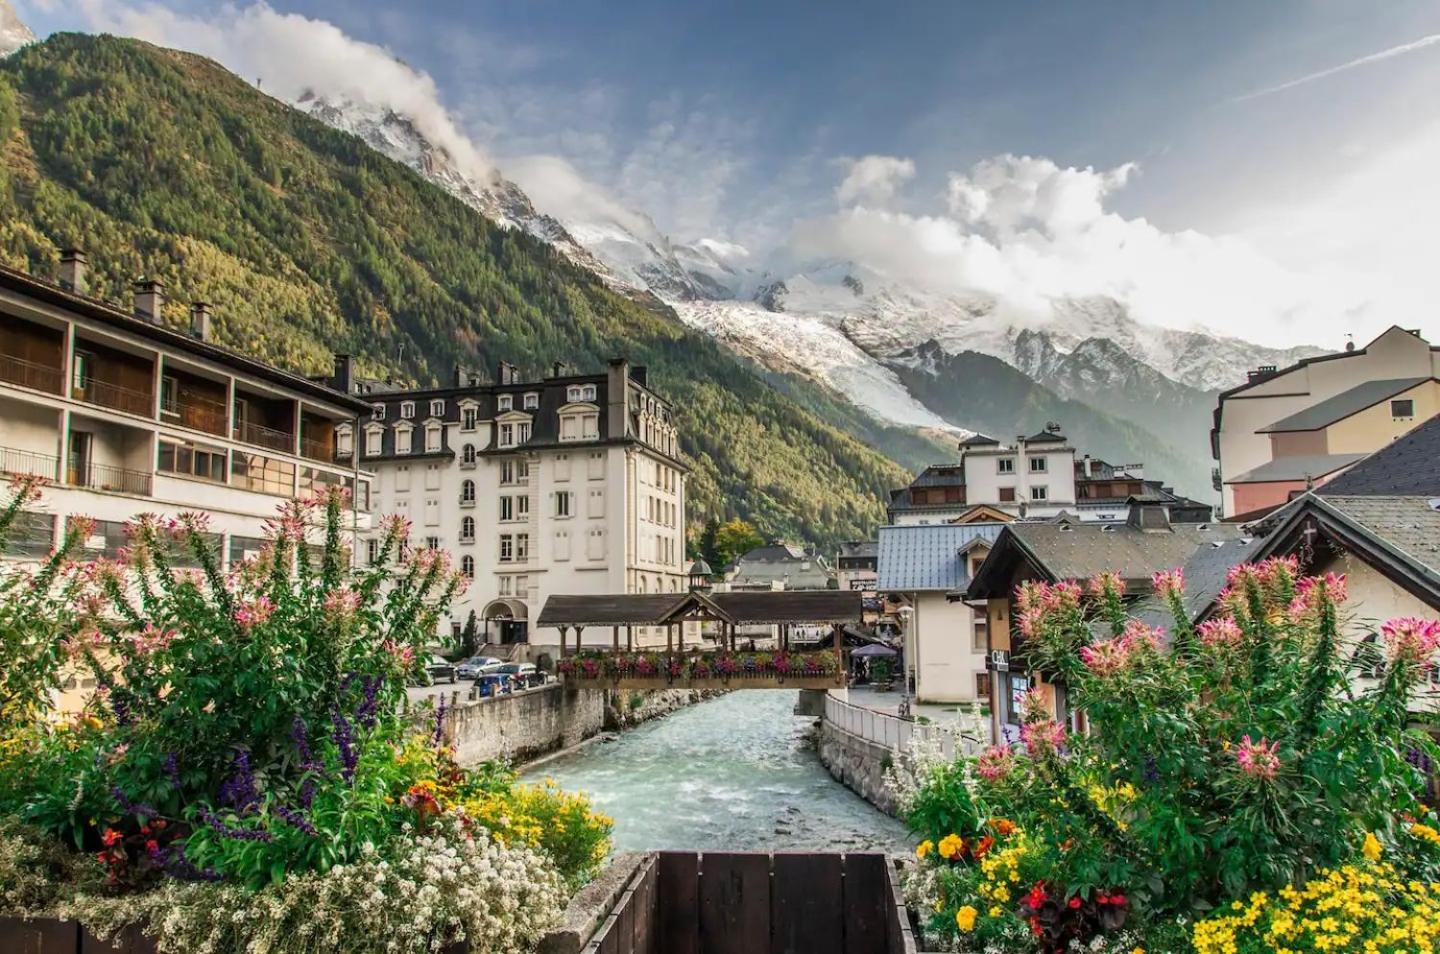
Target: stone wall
<point>858,764</point>
<point>525,725</point>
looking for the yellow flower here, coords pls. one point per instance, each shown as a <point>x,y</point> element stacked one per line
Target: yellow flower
<point>996,911</point>
<point>924,848</point>
<point>1373,849</point>
<point>951,846</point>
<point>965,919</point>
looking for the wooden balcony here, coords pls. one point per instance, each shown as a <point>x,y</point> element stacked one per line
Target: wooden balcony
<point>252,433</point>
<point>195,412</point>
<point>316,449</point>
<point>116,397</point>
<point>30,374</point>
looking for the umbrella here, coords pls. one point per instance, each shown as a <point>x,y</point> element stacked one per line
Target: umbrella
<point>874,649</point>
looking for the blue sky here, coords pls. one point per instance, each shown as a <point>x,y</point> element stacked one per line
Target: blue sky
<point>740,120</point>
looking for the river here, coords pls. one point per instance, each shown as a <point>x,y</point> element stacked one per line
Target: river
<point>733,773</point>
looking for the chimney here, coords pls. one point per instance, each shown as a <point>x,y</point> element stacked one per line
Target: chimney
<point>343,378</point>
<point>638,375</point>
<point>557,369</point>
<point>1085,464</point>
<point>72,270</point>
<point>1148,517</point>
<point>462,378</point>
<point>200,321</point>
<point>149,299</point>
<point>617,399</point>
<point>505,373</point>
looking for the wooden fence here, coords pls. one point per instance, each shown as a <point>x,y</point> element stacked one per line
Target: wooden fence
<point>756,903</point>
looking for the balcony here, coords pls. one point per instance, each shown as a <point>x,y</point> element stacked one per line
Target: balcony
<point>316,449</point>
<point>16,461</point>
<point>195,412</point>
<point>115,396</point>
<point>29,374</point>
<point>105,477</point>
<point>252,433</point>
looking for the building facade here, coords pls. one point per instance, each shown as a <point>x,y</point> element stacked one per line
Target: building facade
<point>1035,477</point>
<point>572,484</point>
<point>125,415</point>
<point>1286,430</point>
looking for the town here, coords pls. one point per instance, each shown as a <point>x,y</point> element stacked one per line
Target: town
<point>394,599</point>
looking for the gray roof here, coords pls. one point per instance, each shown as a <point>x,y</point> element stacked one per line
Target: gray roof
<point>1408,466</point>
<point>1079,551</point>
<point>859,548</point>
<point>1206,572</point>
<point>928,557</point>
<point>1297,467</point>
<point>1342,405</point>
<point>1408,524</point>
<point>769,606</point>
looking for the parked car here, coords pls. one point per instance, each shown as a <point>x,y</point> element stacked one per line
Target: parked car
<point>441,670</point>
<point>493,684</point>
<point>525,675</point>
<point>475,665</point>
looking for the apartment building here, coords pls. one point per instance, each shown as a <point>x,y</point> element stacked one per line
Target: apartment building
<point>1288,430</point>
<point>124,415</point>
<point>571,485</point>
<point>1035,477</point>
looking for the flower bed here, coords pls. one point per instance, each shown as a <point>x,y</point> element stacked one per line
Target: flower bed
<point>1235,793</point>
<point>241,778</point>
<point>666,669</point>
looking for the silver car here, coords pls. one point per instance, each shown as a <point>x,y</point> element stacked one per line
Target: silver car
<point>475,665</point>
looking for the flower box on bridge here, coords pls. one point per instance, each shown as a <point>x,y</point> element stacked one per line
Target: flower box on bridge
<point>718,670</point>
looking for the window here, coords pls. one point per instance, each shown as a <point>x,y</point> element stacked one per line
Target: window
<point>587,393</point>
<point>1039,465</point>
<point>507,508</point>
<point>595,467</point>
<point>570,427</point>
<point>432,476</point>
<point>1039,493</point>
<point>372,551</point>
<point>1005,465</point>
<point>595,544</point>
<point>574,393</point>
<point>562,544</point>
<point>562,467</point>
<point>467,530</point>
<point>432,543</point>
<point>374,442</point>
<point>467,567</point>
<point>31,535</point>
<point>1402,408</point>
<point>590,427</point>
<point>187,460</point>
<point>377,412</point>
<point>265,474</point>
<point>522,547</point>
<point>505,585</point>
<point>469,417</point>
<point>596,505</point>
<point>1007,494</point>
<point>432,438</point>
<point>407,409</point>
<point>981,641</point>
<point>507,435</point>
<point>522,507</point>
<point>563,503</point>
<point>982,685</point>
<point>402,440</point>
<point>437,408</point>
<point>507,548</point>
<point>467,456</point>
<point>342,441</point>
<point>402,477</point>
<point>532,401</point>
<point>505,402</point>
<point>522,432</point>
<point>432,512</point>
<point>467,493</point>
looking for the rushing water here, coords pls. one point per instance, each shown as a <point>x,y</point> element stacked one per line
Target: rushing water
<point>732,773</point>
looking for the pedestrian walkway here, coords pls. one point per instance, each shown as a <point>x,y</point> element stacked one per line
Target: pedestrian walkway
<point>889,703</point>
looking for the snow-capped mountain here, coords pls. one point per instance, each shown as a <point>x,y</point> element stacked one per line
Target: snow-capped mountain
<point>13,32</point>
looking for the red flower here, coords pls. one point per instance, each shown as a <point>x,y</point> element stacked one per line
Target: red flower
<point>1074,902</point>
<point>1117,899</point>
<point>152,846</point>
<point>111,837</point>
<point>1037,896</point>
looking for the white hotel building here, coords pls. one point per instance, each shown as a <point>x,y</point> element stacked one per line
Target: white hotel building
<point>124,415</point>
<point>572,484</point>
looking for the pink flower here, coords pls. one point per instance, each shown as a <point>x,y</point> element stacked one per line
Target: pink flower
<point>1105,583</point>
<point>341,604</point>
<point>1042,738</point>
<point>26,487</point>
<point>194,521</point>
<point>1139,635</point>
<point>402,655</point>
<point>1311,590</point>
<point>251,614</point>
<point>995,763</point>
<point>77,645</point>
<point>1411,639</point>
<point>150,640</point>
<point>394,526</point>
<point>1106,658</point>
<point>1219,632</point>
<point>1258,759</point>
<point>1169,583</point>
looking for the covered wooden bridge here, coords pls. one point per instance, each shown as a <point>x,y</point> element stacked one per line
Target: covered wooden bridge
<point>709,662</point>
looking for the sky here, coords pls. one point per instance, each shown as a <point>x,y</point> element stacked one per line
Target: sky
<point>1264,169</point>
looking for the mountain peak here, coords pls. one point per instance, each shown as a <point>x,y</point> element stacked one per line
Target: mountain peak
<point>13,31</point>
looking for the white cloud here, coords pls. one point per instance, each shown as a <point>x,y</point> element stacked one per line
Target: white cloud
<point>289,55</point>
<point>1025,232</point>
<point>874,180</point>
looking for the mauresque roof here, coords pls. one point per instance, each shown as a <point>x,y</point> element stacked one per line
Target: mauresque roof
<point>1409,465</point>
<point>929,557</point>
<point>1342,405</point>
<point>1298,467</point>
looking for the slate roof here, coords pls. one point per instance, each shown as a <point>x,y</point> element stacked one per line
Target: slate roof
<point>859,549</point>
<point>1297,467</point>
<point>978,440</point>
<point>1409,465</point>
<point>1205,574</point>
<point>928,557</point>
<point>1342,405</point>
<point>1046,437</point>
<point>1410,525</point>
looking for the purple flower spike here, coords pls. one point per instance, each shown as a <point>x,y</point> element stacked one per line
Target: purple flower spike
<point>239,791</point>
<point>345,741</point>
<point>172,770</point>
<point>296,820</point>
<point>138,809</point>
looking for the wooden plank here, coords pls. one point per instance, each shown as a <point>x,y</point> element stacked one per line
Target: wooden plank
<point>647,898</point>
<point>40,936</point>
<point>679,903</point>
<point>806,903</point>
<point>901,939</point>
<point>625,924</point>
<point>610,936</point>
<point>734,903</point>
<point>866,902</point>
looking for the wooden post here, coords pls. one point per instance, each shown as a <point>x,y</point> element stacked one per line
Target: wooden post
<point>615,638</point>
<point>563,631</point>
<point>785,636</point>
<point>670,637</point>
<point>680,642</point>
<point>838,639</point>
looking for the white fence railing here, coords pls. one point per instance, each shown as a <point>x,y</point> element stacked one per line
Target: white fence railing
<point>965,735</point>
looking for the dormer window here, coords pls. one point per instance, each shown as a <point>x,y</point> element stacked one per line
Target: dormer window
<point>532,401</point>
<point>374,442</point>
<point>407,409</point>
<point>377,412</point>
<point>587,393</point>
<point>572,393</point>
<point>576,393</point>
<point>505,402</point>
<point>507,435</point>
<point>469,416</point>
<point>437,408</point>
<point>402,439</point>
<point>432,437</point>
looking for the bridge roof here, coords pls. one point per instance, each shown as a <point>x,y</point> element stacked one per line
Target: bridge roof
<point>654,609</point>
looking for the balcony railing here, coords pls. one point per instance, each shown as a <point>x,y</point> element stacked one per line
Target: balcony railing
<point>29,374</point>
<point>252,433</point>
<point>116,397</point>
<point>15,461</point>
<point>105,477</point>
<point>199,413</point>
<point>317,450</point>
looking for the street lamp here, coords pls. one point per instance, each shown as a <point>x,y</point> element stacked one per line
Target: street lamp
<point>906,614</point>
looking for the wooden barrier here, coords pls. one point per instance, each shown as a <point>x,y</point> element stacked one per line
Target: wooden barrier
<point>755,903</point>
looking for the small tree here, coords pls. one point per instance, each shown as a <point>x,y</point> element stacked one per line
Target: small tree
<point>469,637</point>
<point>734,539</point>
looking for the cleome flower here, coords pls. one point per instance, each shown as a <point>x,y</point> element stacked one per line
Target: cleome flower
<point>1258,759</point>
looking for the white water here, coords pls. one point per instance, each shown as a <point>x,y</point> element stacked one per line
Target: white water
<point>734,773</point>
